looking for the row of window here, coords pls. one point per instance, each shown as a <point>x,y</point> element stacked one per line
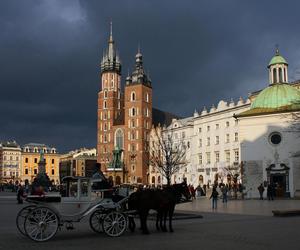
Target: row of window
<point>217,140</point>
<point>132,123</point>
<point>35,171</point>
<point>10,174</point>
<point>36,160</point>
<point>11,158</point>
<point>133,96</point>
<point>135,111</point>
<point>36,150</point>
<point>217,157</point>
<point>217,126</point>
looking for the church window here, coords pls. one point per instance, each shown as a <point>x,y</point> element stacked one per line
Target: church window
<point>132,135</point>
<point>105,94</point>
<point>147,97</point>
<point>132,96</point>
<point>137,134</point>
<point>280,75</point>
<point>275,138</point>
<point>104,104</point>
<point>147,112</point>
<point>133,112</point>
<point>132,123</point>
<point>119,138</point>
<point>274,76</point>
<point>105,127</point>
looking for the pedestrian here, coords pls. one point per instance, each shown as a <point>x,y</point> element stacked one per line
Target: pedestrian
<point>20,194</point>
<point>270,192</point>
<point>214,197</point>
<point>204,189</point>
<point>193,192</point>
<point>224,190</point>
<point>261,190</point>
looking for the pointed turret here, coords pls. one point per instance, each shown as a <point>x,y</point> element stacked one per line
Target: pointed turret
<point>110,59</point>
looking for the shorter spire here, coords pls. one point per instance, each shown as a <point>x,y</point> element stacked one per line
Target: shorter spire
<point>276,49</point>
<point>111,34</point>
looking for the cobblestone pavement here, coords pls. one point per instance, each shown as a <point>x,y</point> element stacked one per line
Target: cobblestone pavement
<point>228,228</point>
<point>246,207</point>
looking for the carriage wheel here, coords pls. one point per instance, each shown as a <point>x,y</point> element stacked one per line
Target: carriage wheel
<point>96,221</point>
<point>21,216</point>
<point>41,224</point>
<point>114,224</point>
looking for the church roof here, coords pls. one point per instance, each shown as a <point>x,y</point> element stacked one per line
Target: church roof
<point>273,99</point>
<point>277,59</point>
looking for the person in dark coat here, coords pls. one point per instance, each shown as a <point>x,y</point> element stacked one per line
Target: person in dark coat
<point>20,194</point>
<point>214,197</point>
<point>261,190</point>
<point>270,192</point>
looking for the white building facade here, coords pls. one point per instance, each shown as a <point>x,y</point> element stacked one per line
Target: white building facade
<point>230,139</point>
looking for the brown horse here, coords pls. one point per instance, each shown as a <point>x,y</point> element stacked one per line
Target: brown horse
<point>163,201</point>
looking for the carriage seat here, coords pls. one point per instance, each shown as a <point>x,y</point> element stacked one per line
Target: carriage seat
<point>44,198</point>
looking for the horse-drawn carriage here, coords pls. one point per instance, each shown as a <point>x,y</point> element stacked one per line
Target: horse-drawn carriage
<point>45,214</point>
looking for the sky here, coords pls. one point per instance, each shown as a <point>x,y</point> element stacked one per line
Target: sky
<point>197,53</point>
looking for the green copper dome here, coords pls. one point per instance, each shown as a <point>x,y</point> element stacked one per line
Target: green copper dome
<point>275,98</point>
<point>277,59</point>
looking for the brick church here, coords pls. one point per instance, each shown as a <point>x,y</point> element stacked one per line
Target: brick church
<point>125,118</point>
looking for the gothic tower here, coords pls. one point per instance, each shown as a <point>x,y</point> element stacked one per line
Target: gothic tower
<point>110,104</point>
<point>138,122</point>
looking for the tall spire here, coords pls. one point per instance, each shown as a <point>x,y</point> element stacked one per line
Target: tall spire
<point>111,60</point>
<point>111,34</point>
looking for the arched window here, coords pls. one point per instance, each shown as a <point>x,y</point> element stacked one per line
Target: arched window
<point>133,111</point>
<point>119,138</point>
<point>200,179</point>
<point>104,104</point>
<point>280,75</point>
<point>274,76</point>
<point>132,96</point>
<point>105,94</point>
<point>153,180</point>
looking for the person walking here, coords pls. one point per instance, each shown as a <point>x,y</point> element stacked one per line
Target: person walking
<point>20,194</point>
<point>270,192</point>
<point>214,197</point>
<point>261,190</point>
<point>224,190</point>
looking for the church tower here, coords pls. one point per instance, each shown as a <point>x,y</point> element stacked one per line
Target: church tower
<point>278,67</point>
<point>110,104</point>
<point>138,122</point>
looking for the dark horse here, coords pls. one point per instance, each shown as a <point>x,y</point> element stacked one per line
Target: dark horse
<point>163,201</point>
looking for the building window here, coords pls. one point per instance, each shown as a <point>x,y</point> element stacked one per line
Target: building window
<point>35,160</point>
<point>132,123</point>
<point>132,137</point>
<point>132,96</point>
<point>208,141</point>
<point>105,94</point>
<point>52,171</point>
<point>176,136</point>
<point>26,170</point>
<point>104,104</point>
<point>236,122</point>
<point>147,97</point>
<point>208,158</point>
<point>52,161</point>
<point>217,140</point>
<point>236,136</point>
<point>208,128</point>
<point>200,143</point>
<point>227,138</point>
<point>26,160</point>
<point>217,126</point>
<point>35,171</point>
<point>217,154</point>
<point>227,124</point>
<point>200,130</point>
<point>133,112</point>
<point>227,156</point>
<point>236,155</point>
<point>183,135</point>
<point>200,158</point>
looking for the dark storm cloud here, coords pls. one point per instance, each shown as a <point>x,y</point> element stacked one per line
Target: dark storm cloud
<point>197,52</point>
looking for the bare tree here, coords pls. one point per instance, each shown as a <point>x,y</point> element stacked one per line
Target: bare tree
<point>167,155</point>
